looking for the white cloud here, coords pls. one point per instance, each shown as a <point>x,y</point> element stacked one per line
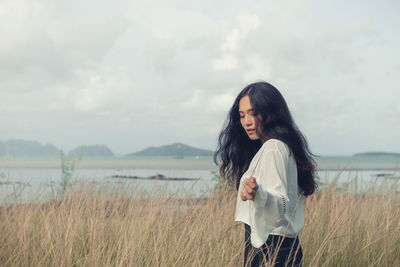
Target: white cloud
<point>221,102</point>
<point>88,98</point>
<point>248,22</point>
<point>231,42</point>
<point>40,37</point>
<point>257,70</point>
<point>245,23</point>
<point>195,100</point>
<point>226,62</point>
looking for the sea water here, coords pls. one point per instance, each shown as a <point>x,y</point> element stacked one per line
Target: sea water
<point>41,178</point>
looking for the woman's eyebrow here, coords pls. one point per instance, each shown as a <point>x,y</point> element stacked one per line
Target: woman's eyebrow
<point>249,110</point>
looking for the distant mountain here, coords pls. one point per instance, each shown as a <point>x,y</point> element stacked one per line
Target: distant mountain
<point>177,150</point>
<point>24,148</point>
<point>374,154</point>
<point>92,151</point>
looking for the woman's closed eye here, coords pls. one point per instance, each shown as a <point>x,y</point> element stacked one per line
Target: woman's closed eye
<point>252,114</point>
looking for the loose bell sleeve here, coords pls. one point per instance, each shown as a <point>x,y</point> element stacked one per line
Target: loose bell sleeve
<point>271,199</point>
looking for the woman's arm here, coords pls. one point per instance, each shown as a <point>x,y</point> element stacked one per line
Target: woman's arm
<point>271,177</point>
<point>268,187</point>
<point>271,174</point>
<point>271,195</point>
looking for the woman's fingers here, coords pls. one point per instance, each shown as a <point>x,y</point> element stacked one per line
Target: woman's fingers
<point>253,183</point>
<point>246,196</point>
<point>255,188</point>
<point>243,195</point>
<point>249,189</point>
<point>250,196</point>
<point>251,186</point>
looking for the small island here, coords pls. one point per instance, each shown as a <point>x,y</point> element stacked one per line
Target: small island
<point>33,149</point>
<point>377,154</point>
<point>176,150</point>
<point>92,151</point>
<point>27,148</point>
<point>160,177</point>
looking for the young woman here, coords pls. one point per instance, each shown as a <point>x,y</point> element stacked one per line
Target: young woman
<point>262,151</point>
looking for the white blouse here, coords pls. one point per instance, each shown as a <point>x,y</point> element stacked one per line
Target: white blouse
<point>278,207</point>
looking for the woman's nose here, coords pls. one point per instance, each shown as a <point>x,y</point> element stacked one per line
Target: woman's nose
<point>247,120</point>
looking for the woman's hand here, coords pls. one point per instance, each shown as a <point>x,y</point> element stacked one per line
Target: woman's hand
<point>249,189</point>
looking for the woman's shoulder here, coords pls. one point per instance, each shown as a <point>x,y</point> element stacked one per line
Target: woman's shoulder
<point>276,145</point>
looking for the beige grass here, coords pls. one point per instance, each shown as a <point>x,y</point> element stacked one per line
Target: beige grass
<point>103,227</point>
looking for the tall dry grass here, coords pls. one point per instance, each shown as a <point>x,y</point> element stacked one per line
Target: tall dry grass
<point>103,227</point>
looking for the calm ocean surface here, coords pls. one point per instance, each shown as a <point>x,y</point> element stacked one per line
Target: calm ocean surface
<point>29,178</point>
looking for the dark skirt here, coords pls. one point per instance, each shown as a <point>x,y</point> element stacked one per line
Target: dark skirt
<point>289,254</point>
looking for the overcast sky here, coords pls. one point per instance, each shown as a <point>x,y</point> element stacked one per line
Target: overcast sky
<point>131,74</point>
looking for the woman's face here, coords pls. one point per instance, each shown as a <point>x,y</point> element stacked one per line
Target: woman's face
<point>248,118</point>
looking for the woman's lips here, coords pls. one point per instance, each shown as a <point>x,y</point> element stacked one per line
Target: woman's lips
<point>250,131</point>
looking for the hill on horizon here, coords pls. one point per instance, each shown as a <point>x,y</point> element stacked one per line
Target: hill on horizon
<point>28,148</point>
<point>25,148</point>
<point>375,153</point>
<point>91,151</point>
<point>177,150</point>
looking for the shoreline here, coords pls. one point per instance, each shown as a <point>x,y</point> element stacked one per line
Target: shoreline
<point>346,164</point>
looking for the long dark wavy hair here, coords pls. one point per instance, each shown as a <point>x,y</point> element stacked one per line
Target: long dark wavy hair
<point>236,150</point>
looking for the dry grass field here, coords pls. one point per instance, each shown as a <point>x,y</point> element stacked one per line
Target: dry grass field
<point>104,227</point>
